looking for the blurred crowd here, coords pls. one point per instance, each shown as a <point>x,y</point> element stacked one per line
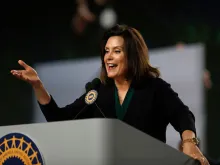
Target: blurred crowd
<point>86,13</point>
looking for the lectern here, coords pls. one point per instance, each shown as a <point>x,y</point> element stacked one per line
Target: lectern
<point>85,142</point>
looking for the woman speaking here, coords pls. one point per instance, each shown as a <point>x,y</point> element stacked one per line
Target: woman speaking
<point>130,90</point>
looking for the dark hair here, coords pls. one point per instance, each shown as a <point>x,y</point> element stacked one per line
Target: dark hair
<point>136,52</point>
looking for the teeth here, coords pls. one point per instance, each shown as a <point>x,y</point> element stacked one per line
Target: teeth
<point>111,65</point>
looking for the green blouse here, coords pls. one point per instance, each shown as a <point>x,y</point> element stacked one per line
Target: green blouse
<point>122,109</point>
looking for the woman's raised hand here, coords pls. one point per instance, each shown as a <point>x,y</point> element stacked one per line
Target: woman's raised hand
<point>28,74</point>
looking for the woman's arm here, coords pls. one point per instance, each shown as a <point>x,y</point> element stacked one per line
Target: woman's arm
<point>75,110</point>
<point>181,118</point>
<point>178,114</point>
<point>41,93</point>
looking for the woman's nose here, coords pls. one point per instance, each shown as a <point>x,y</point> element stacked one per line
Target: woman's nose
<point>110,56</point>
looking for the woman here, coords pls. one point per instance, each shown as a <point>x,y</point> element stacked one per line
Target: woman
<point>130,90</point>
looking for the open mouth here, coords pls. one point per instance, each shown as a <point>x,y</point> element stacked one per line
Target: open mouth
<point>111,66</point>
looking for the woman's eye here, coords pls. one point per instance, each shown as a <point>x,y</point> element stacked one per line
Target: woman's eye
<point>117,51</point>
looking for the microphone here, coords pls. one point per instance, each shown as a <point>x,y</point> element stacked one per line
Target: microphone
<point>88,86</point>
<point>93,85</point>
<point>91,95</point>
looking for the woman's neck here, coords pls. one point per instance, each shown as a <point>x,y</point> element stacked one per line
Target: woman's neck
<point>122,84</point>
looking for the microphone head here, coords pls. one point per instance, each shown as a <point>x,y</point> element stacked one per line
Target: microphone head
<point>88,86</point>
<point>96,82</point>
<point>93,84</point>
<point>92,94</point>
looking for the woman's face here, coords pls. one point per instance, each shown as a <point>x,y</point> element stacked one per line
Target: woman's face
<point>114,59</point>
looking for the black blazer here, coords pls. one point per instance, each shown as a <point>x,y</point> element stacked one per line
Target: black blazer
<point>153,106</point>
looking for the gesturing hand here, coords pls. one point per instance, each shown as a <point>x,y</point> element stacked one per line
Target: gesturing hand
<point>28,74</point>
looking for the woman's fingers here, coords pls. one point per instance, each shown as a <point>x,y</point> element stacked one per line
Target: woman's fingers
<point>15,72</point>
<point>22,63</point>
<point>202,159</point>
<point>18,74</point>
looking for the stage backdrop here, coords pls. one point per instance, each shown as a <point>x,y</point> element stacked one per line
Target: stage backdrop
<point>182,68</point>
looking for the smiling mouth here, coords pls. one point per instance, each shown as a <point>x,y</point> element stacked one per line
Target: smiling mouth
<point>111,66</point>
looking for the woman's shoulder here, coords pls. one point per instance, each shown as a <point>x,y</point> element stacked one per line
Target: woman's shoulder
<point>161,82</point>
<point>154,82</point>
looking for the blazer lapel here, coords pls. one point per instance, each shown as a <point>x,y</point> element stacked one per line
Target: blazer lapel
<point>106,101</point>
<point>141,96</point>
<point>131,111</point>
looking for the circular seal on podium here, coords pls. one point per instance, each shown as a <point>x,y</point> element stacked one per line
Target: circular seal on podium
<point>19,149</point>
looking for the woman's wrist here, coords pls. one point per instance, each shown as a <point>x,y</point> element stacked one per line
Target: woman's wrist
<point>37,85</point>
<point>191,141</point>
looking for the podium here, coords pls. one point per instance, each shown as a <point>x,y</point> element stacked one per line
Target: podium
<point>94,142</point>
